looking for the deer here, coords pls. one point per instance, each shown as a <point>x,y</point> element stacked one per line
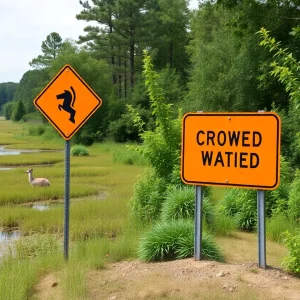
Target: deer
<point>37,181</point>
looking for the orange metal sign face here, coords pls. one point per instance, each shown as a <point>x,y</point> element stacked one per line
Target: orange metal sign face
<point>231,149</point>
<point>67,102</point>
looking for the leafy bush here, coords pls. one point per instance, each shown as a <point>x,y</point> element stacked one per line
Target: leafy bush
<point>292,261</point>
<point>180,204</point>
<point>175,240</point>
<point>294,199</point>
<point>79,150</point>
<point>149,194</point>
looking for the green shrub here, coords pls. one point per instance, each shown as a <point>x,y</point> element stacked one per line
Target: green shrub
<point>294,199</point>
<point>123,129</point>
<point>292,261</point>
<point>180,204</point>
<point>175,240</point>
<point>79,150</point>
<point>148,197</point>
<point>37,130</point>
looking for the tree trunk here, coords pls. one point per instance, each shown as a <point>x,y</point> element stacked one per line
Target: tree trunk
<point>132,65</point>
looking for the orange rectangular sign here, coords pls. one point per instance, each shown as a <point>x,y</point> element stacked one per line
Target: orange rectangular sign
<point>231,149</point>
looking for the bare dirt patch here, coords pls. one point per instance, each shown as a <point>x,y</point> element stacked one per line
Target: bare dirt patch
<point>188,279</point>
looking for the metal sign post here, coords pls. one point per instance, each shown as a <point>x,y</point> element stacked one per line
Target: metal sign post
<point>198,223</point>
<point>261,220</point>
<point>67,200</point>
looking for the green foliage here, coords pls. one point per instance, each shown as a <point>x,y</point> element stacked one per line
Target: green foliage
<point>149,195</point>
<point>180,204</point>
<point>8,108</point>
<point>18,111</point>
<point>277,200</point>
<point>50,48</point>
<point>123,129</point>
<point>7,92</point>
<point>31,84</point>
<point>294,200</point>
<point>160,147</point>
<point>175,240</point>
<point>223,71</point>
<point>292,261</point>
<point>284,67</point>
<point>79,150</point>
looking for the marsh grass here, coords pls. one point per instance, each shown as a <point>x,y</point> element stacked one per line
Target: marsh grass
<point>27,159</point>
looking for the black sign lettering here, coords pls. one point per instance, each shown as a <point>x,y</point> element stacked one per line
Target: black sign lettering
<point>210,137</point>
<point>245,138</point>
<point>198,137</point>
<point>257,138</point>
<point>206,157</point>
<point>219,159</point>
<point>221,138</point>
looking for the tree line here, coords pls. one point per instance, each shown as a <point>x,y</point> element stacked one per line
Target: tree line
<point>208,59</point>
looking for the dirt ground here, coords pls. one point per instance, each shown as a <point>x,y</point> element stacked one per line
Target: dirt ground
<point>181,279</point>
<point>239,278</point>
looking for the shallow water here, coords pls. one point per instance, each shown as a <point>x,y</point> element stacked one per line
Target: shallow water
<point>8,152</point>
<point>40,207</point>
<point>9,235</point>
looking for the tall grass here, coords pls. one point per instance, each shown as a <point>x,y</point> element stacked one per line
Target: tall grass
<point>277,225</point>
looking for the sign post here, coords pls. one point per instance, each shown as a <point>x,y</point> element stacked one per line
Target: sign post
<point>67,102</point>
<point>231,150</point>
<point>198,223</point>
<point>261,226</point>
<point>67,200</point>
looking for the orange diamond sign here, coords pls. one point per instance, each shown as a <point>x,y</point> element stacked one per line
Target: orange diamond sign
<point>67,102</point>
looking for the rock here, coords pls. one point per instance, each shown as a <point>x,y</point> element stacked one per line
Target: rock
<point>221,274</point>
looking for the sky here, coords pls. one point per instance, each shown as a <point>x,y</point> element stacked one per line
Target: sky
<point>25,24</point>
